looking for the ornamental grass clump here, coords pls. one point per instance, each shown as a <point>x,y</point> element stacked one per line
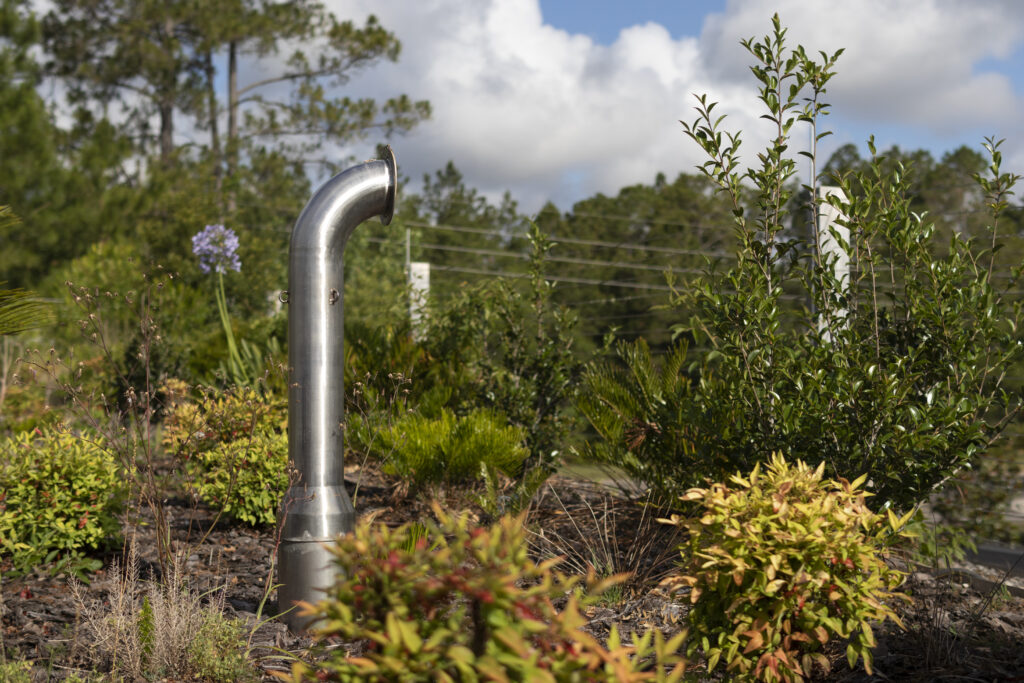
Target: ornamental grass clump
<point>149,630</point>
<point>444,601</point>
<point>781,562</point>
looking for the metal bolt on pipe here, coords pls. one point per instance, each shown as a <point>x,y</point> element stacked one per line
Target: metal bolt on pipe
<point>316,508</point>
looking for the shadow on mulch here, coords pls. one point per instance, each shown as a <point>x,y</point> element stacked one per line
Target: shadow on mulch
<point>946,638</point>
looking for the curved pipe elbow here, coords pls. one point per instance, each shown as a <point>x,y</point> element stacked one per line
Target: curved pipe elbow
<point>316,283</point>
<point>343,202</point>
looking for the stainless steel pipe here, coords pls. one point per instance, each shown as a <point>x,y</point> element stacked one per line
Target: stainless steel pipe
<point>316,508</point>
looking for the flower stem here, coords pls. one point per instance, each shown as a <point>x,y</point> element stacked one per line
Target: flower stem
<point>235,364</point>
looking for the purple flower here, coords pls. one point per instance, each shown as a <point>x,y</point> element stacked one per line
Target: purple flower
<point>216,247</point>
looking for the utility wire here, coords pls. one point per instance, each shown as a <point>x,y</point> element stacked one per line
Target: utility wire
<point>652,221</point>
<point>555,259</point>
<point>573,240</point>
<point>559,259</point>
<point>553,278</point>
<point>580,280</point>
<point>609,264</point>
<point>611,300</point>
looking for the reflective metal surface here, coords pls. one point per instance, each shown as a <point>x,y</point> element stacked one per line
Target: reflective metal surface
<point>316,507</point>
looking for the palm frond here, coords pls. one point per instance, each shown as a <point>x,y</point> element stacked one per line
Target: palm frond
<point>20,311</point>
<point>638,407</point>
<point>7,218</point>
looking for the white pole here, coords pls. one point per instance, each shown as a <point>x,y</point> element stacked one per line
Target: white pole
<point>408,249</point>
<point>829,228</point>
<point>419,291</point>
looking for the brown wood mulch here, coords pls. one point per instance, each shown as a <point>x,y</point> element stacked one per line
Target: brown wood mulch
<point>954,632</point>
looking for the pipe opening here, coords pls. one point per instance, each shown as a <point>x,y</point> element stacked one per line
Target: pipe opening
<point>389,200</point>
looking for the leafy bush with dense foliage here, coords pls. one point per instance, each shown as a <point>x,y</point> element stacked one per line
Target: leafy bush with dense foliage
<point>246,478</point>
<point>511,351</point>
<point>60,493</point>
<point>425,451</point>
<point>896,370</point>
<point>492,369</point>
<point>779,563</point>
<point>450,602</point>
<point>235,449</point>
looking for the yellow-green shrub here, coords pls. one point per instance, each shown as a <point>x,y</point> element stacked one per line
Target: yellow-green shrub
<point>59,493</point>
<point>781,562</point>
<point>245,478</point>
<point>449,602</point>
<point>218,418</point>
<point>235,449</point>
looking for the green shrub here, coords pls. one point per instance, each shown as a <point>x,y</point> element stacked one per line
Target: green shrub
<point>781,562</point>
<point>59,494</point>
<point>191,427</point>
<point>16,671</point>
<point>235,449</point>
<point>448,449</point>
<point>467,604</point>
<point>245,478</point>
<point>217,652</point>
<point>114,301</point>
<point>511,350</point>
<point>897,370</point>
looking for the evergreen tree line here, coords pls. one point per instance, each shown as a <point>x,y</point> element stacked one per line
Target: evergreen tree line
<point>168,116</point>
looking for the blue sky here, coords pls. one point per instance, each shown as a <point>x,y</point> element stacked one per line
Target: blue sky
<point>1011,66</point>
<point>603,19</point>
<point>560,99</point>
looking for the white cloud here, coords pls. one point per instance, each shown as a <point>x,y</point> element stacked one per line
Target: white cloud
<point>904,62</point>
<point>524,106</point>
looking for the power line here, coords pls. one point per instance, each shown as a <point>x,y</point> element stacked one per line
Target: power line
<point>651,221</point>
<point>611,300</point>
<point>553,278</point>
<point>554,259</point>
<point>573,240</point>
<point>560,259</point>
<point>582,281</point>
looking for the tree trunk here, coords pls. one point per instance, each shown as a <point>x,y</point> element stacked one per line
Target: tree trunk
<point>232,107</point>
<point>166,132</point>
<point>166,91</point>
<point>232,145</point>
<point>211,103</point>
<point>211,100</point>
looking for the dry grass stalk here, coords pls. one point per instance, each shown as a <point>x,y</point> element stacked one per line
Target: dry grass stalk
<point>110,636</point>
<point>148,626</point>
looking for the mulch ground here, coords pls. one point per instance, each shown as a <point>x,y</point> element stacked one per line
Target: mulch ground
<point>953,632</point>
